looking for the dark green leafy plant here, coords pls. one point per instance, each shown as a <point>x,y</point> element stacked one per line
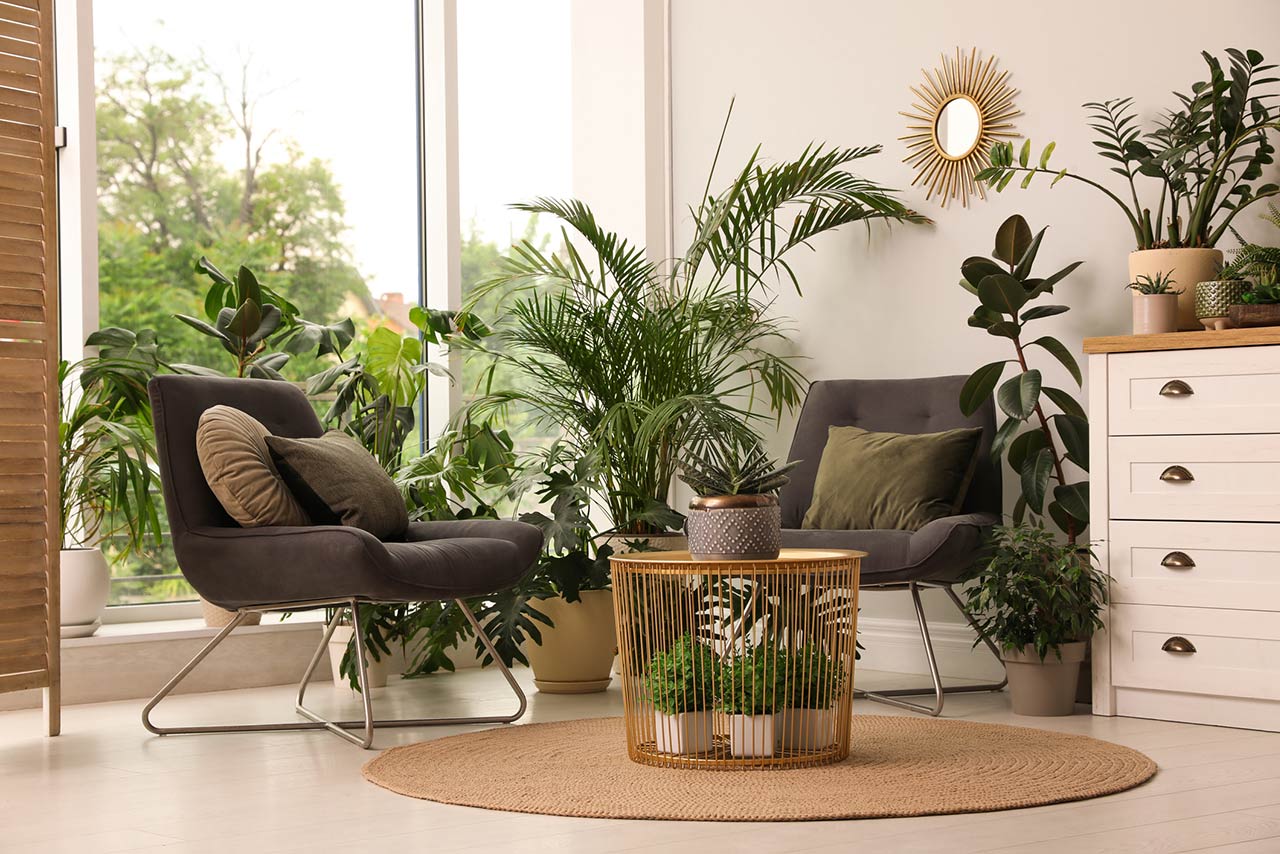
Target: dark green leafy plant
<point>813,679</point>
<point>1260,264</point>
<point>683,678</point>
<point>719,470</point>
<point>1161,283</point>
<point>1035,591</point>
<point>1004,287</point>
<point>1204,156</point>
<point>754,681</point>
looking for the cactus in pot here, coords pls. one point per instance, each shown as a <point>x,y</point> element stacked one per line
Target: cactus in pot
<point>735,514</point>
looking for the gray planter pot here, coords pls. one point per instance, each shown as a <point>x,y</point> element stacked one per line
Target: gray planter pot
<point>734,527</point>
<point>1044,688</point>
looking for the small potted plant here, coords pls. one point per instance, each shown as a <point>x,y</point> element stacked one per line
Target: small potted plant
<point>751,688</point>
<point>735,514</point>
<point>807,722</point>
<point>1155,304</point>
<point>681,685</point>
<point>1039,600</point>
<point>1259,306</point>
<point>1215,298</point>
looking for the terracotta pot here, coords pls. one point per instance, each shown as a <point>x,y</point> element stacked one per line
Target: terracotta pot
<point>576,655</point>
<point>1245,316</point>
<point>216,618</point>
<point>734,527</point>
<point>686,733</point>
<point>378,670</point>
<point>1044,688</point>
<point>85,584</point>
<point>1186,266</point>
<point>1154,313</point>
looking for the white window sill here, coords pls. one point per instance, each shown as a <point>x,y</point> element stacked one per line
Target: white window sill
<point>153,630</point>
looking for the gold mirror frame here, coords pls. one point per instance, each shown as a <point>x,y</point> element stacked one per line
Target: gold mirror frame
<point>966,76</point>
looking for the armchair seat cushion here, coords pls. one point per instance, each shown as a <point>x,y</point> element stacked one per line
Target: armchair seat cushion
<point>939,552</point>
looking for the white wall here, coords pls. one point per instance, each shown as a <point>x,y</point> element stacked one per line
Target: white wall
<point>839,72</point>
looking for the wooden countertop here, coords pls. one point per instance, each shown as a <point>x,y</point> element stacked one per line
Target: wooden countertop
<point>1183,340</point>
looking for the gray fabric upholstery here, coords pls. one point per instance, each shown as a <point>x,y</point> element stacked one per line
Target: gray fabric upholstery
<point>235,567</point>
<point>940,551</point>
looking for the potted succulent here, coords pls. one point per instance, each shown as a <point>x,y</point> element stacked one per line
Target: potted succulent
<point>1039,600</point>
<point>751,690</point>
<point>1155,304</point>
<point>1202,160</point>
<point>734,514</point>
<point>1260,306</point>
<point>681,685</point>
<point>807,721</point>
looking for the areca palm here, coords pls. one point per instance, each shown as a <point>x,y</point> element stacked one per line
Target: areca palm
<point>632,362</point>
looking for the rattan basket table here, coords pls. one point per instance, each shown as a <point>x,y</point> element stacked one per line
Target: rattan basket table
<point>737,664</point>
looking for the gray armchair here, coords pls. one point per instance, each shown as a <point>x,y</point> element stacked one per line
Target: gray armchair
<point>938,554</point>
<point>250,570</point>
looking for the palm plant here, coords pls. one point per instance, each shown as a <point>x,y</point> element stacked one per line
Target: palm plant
<point>632,361</point>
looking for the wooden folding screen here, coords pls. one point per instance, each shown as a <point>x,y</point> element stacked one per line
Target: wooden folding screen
<point>30,535</point>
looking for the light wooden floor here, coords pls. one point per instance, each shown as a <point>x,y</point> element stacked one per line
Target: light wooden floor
<point>107,785</point>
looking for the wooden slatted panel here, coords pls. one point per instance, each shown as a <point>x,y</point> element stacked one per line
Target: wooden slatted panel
<point>29,523</point>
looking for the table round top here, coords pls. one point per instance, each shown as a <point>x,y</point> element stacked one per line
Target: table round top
<point>786,556</point>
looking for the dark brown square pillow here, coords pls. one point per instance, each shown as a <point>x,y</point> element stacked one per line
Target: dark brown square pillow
<point>338,482</point>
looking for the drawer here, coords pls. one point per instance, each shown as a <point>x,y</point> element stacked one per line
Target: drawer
<point>1237,653</point>
<point>1232,478</point>
<point>1197,564</point>
<point>1225,390</point>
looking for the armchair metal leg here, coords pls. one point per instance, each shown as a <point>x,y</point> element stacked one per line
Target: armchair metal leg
<point>890,697</point>
<point>364,727</point>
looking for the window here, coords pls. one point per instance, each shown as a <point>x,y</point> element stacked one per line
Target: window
<point>279,135</point>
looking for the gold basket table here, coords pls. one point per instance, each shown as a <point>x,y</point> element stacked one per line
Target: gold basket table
<point>737,664</point>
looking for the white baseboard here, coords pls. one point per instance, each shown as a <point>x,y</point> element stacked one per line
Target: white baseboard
<point>894,645</point>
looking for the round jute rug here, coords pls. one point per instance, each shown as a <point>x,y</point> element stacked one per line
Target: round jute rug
<point>899,766</point>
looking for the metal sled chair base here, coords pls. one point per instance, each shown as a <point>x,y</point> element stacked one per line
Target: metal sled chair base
<point>890,697</point>
<point>358,732</point>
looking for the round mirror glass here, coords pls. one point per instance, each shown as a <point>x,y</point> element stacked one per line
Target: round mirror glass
<point>958,127</point>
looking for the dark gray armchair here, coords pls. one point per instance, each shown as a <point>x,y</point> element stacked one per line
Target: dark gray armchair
<point>249,570</point>
<point>938,554</point>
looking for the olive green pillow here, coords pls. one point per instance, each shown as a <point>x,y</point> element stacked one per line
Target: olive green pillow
<point>892,481</point>
<point>340,483</point>
<point>233,453</point>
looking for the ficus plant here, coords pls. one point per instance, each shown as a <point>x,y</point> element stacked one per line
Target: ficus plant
<point>1037,441</point>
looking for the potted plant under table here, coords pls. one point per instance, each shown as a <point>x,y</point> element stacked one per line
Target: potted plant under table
<point>807,721</point>
<point>681,685</point>
<point>751,690</point>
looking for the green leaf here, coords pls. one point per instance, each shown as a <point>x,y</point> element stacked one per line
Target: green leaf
<point>1063,355</point>
<point>1062,518</point>
<point>246,320</point>
<point>1003,293</point>
<point>1074,432</point>
<point>1019,510</point>
<point>1005,329</point>
<point>1057,178</point>
<point>204,265</point>
<point>1035,479</point>
<point>984,318</point>
<point>1028,257</point>
<point>977,389</point>
<point>203,327</point>
<point>1024,155</point>
<point>1012,239</point>
<point>1004,182</point>
<point>1024,447</point>
<point>1074,498</point>
<point>1041,311</point>
<point>247,287</point>
<point>1018,396</point>
<point>1046,154</point>
<point>1064,401</point>
<point>1003,436</point>
<point>976,269</point>
<point>1026,180</point>
<point>1046,286</point>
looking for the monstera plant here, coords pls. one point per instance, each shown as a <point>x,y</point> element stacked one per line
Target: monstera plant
<point>1006,289</point>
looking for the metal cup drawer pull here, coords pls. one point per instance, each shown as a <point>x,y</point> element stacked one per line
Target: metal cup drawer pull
<point>1179,646</point>
<point>1176,388</point>
<point>1176,474</point>
<point>1178,560</point>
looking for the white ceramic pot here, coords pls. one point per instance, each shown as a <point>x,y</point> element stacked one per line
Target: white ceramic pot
<point>1187,267</point>
<point>685,733</point>
<point>751,735</point>
<point>805,729</point>
<point>378,670</point>
<point>1154,313</point>
<point>85,583</point>
<point>576,654</point>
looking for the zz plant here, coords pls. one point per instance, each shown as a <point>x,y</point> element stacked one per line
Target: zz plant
<point>1005,287</point>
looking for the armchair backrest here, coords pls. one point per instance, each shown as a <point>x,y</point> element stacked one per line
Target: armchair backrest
<point>177,402</point>
<point>927,405</point>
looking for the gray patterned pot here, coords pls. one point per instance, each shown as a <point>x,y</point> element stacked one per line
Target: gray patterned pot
<point>734,527</point>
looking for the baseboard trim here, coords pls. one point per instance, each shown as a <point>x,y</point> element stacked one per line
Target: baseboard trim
<point>894,645</point>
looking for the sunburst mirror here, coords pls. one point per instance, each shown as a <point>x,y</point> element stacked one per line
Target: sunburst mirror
<point>965,105</point>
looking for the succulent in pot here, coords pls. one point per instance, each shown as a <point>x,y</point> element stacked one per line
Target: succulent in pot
<point>735,514</point>
<point>681,684</point>
<point>1155,304</point>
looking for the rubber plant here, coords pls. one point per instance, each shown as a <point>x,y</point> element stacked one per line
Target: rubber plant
<point>1204,156</point>
<point>1037,441</point>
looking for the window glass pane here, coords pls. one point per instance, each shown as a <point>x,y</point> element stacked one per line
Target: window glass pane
<point>514,144</point>
<point>279,135</point>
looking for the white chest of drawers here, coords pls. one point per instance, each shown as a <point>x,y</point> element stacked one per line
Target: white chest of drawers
<point>1185,495</point>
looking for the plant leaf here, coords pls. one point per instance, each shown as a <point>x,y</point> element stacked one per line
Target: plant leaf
<point>1012,239</point>
<point>1063,355</point>
<point>1019,395</point>
<point>1064,401</point>
<point>1040,311</point>
<point>1074,498</point>
<point>1074,432</point>
<point>977,389</point>
<point>1035,479</point>
<point>1002,293</point>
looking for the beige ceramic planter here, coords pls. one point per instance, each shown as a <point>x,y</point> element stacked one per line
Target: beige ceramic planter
<point>85,588</point>
<point>216,618</point>
<point>1187,267</point>
<point>1154,313</point>
<point>576,655</point>
<point>1044,688</point>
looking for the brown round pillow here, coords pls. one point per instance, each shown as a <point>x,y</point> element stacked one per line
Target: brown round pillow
<point>232,447</point>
